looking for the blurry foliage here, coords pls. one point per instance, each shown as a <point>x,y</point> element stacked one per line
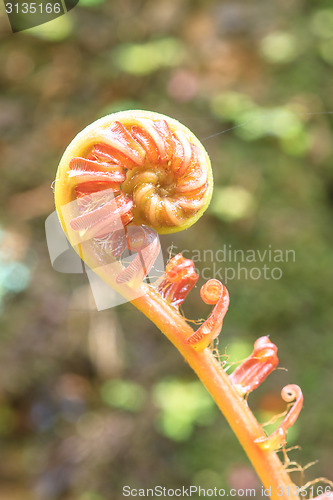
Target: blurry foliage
<point>279,47</point>
<point>142,59</point>
<point>86,399</point>
<point>53,31</point>
<point>183,404</point>
<point>123,394</point>
<point>14,274</point>
<point>254,122</point>
<point>232,203</point>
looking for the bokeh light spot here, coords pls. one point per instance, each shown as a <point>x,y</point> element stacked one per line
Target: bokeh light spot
<point>279,47</point>
<point>123,394</point>
<point>232,203</point>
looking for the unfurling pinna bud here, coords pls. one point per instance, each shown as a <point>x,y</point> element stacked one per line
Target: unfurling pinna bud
<point>178,280</point>
<point>279,437</point>
<point>143,242</point>
<point>263,360</point>
<point>212,292</point>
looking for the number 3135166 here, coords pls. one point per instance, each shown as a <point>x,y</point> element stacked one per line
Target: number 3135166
<point>33,8</point>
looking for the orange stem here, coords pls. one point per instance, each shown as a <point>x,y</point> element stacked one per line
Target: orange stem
<point>235,409</point>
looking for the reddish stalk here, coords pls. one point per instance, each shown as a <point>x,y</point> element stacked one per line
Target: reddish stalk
<point>234,407</point>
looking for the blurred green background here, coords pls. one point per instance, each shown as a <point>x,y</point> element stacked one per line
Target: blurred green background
<point>92,401</point>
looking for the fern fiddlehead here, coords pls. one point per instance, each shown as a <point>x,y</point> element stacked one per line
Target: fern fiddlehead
<point>122,180</point>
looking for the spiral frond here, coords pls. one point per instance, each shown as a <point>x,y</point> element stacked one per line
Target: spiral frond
<point>278,438</point>
<point>212,292</point>
<point>158,171</point>
<point>178,280</point>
